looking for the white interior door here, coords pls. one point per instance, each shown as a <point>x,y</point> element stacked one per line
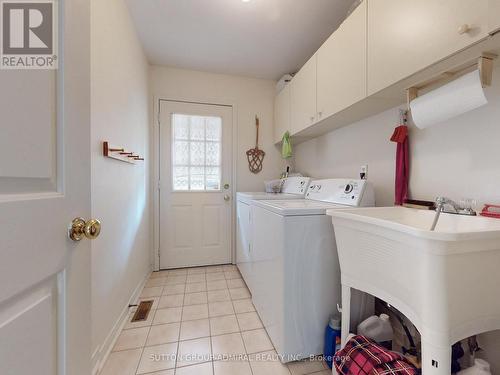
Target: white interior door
<point>44,184</point>
<point>195,184</point>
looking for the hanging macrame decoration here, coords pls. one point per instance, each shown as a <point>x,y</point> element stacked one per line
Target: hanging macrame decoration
<point>255,155</point>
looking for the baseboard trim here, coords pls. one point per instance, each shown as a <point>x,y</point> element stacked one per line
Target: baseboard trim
<point>101,354</point>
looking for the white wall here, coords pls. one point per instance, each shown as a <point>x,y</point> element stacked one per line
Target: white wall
<point>251,96</point>
<point>459,158</point>
<point>120,191</point>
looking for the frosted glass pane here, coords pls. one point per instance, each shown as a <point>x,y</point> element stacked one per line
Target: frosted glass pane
<point>181,126</point>
<point>180,178</point>
<point>197,178</point>
<point>197,128</point>
<point>213,153</point>
<point>181,153</point>
<point>214,127</point>
<point>212,178</point>
<point>197,153</point>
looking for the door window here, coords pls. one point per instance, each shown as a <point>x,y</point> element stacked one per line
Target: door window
<point>196,152</point>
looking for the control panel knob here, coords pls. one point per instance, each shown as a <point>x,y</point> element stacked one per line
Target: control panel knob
<point>348,188</point>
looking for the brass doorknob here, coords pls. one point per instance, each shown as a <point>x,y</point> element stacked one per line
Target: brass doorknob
<point>80,228</point>
<point>227,197</point>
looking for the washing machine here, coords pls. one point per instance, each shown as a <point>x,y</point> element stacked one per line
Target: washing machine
<point>295,266</point>
<point>293,188</point>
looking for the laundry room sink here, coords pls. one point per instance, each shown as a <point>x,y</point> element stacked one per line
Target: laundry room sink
<point>445,281</point>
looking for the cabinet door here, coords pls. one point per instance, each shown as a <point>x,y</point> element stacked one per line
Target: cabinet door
<point>405,36</point>
<point>303,97</point>
<point>494,16</point>
<point>281,113</point>
<point>342,65</point>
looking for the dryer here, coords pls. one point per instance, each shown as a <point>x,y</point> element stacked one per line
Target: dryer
<point>295,266</point>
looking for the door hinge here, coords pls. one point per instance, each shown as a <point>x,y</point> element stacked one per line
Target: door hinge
<point>159,185</point>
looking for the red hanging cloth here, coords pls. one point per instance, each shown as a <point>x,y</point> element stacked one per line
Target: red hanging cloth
<point>400,136</point>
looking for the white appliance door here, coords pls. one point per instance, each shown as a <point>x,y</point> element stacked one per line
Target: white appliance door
<point>44,185</point>
<point>195,184</point>
<point>243,241</point>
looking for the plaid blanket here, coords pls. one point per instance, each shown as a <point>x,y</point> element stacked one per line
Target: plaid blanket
<point>362,356</point>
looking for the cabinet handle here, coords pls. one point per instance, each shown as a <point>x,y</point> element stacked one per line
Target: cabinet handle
<point>464,29</point>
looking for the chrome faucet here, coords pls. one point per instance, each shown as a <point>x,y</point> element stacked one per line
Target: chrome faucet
<point>459,209</point>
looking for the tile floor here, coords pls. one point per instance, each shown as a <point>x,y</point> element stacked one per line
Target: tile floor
<point>203,322</point>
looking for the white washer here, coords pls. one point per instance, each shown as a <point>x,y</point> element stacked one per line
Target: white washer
<point>296,273</point>
<point>293,188</point>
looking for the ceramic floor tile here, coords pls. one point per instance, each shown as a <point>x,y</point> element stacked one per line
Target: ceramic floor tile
<point>177,272</point>
<point>256,341</point>
<point>168,315</point>
<point>267,363</point>
<point>236,283</point>
<point>174,289</point>
<point>156,281</point>
<point>239,293</point>
<point>157,358</point>
<point>195,312</point>
<point>223,324</point>
<point>307,367</point>
<point>154,291</point>
<point>195,298</point>
<point>232,368</point>
<point>163,334</point>
<point>232,275</point>
<point>219,295</point>
<point>216,285</point>
<point>249,321</point>
<point>229,267</point>
<point>196,278</point>
<point>196,271</point>
<point>131,339</point>
<point>173,300</point>
<point>164,372</point>
<point>193,329</point>
<point>123,363</point>
<point>212,269</point>
<point>201,369</point>
<point>215,276</point>
<point>158,274</point>
<point>243,305</point>
<point>175,280</point>
<point>220,308</point>
<point>194,351</point>
<point>228,347</point>
<point>196,287</point>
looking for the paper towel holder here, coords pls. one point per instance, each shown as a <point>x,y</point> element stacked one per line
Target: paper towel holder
<point>484,63</point>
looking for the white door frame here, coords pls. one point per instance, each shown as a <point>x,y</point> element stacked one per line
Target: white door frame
<point>156,167</point>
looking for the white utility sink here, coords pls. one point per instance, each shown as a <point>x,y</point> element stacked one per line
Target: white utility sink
<point>447,281</point>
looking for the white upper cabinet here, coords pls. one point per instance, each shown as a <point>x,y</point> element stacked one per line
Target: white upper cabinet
<point>406,36</point>
<point>303,97</point>
<point>281,113</point>
<point>494,14</point>
<point>342,65</point>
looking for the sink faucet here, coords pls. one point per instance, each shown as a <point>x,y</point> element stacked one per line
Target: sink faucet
<point>459,209</point>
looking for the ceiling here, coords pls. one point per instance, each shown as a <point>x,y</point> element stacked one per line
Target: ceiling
<point>259,38</point>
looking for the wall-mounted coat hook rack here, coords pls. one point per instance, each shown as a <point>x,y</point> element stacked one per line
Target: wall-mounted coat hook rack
<point>119,153</point>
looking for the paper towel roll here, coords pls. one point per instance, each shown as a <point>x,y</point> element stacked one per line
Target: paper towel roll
<point>453,99</point>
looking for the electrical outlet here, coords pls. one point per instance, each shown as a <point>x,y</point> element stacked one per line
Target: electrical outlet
<point>363,172</point>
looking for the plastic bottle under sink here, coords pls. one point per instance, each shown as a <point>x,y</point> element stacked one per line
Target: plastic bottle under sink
<point>377,328</point>
<point>481,367</point>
